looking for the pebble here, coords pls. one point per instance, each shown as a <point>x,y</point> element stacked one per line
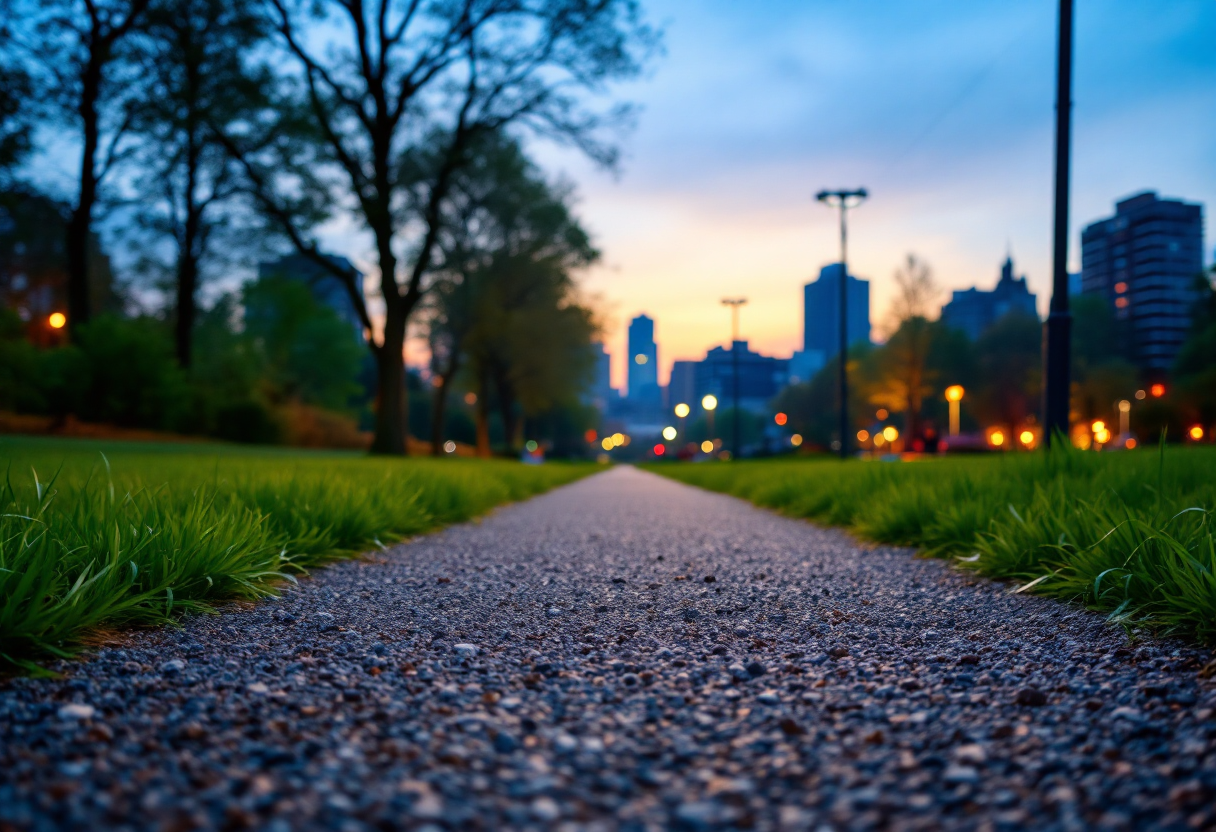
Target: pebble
<point>494,676</point>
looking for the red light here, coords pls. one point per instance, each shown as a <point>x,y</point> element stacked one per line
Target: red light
<point>781,418</point>
<point>591,435</point>
<point>660,449</point>
<point>1158,390</point>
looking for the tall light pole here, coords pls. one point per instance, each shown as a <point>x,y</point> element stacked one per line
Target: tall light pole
<point>1057,332</point>
<point>844,200</point>
<point>734,304</point>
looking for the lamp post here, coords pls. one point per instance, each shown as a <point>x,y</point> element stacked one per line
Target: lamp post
<point>710,404</point>
<point>844,200</point>
<point>734,304</point>
<point>1057,332</point>
<point>1125,412</point>
<point>681,410</point>
<point>954,395</point>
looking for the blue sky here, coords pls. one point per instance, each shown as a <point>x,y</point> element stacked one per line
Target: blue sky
<point>943,110</point>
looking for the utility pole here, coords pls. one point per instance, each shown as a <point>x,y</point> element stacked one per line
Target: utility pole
<point>844,200</point>
<point>1057,332</point>
<point>734,304</point>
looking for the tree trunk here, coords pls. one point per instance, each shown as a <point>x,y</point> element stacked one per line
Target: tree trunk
<point>391,402</point>
<point>81,223</point>
<point>439,409</point>
<point>510,420</point>
<point>483,417</point>
<point>187,281</point>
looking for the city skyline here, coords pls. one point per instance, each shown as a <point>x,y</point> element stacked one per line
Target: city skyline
<point>945,115</point>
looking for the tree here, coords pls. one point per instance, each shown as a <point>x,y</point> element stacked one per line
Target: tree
<point>1009,362</point>
<point>81,50</point>
<point>196,59</point>
<point>15,110</point>
<point>904,375</point>
<point>509,243</point>
<point>396,74</point>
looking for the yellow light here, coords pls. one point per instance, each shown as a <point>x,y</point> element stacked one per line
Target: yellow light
<point>781,418</point>
<point>1140,394</point>
<point>57,320</point>
<point>707,446</point>
<point>470,398</point>
<point>618,439</point>
<point>607,444</point>
<point>796,439</point>
<point>640,359</point>
<point>863,435</point>
<point>1125,406</point>
<point>1098,426</point>
<point>1196,432</point>
<point>881,414</point>
<point>1102,436</point>
<point>709,402</point>
<point>681,410</point>
<point>954,393</point>
<point>879,440</point>
<point>890,434</point>
<point>997,438</point>
<point>669,433</point>
<point>1026,437</point>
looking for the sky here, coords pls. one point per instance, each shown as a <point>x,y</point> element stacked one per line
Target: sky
<point>943,110</point>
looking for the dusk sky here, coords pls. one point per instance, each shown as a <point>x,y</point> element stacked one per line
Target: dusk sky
<point>943,110</point>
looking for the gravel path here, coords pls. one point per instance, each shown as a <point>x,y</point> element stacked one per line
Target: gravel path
<point>623,653</point>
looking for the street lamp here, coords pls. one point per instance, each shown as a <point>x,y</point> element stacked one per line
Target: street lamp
<point>954,395</point>
<point>1057,332</point>
<point>1125,412</point>
<point>844,200</point>
<point>734,304</point>
<point>710,404</point>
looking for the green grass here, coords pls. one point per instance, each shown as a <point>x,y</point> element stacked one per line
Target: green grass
<point>110,535</point>
<point>1127,533</point>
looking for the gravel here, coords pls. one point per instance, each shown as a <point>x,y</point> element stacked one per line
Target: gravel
<point>567,664</point>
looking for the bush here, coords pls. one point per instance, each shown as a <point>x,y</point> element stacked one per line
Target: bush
<point>250,421</point>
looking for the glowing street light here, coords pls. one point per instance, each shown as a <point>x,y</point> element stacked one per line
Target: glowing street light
<point>607,444</point>
<point>618,439</point>
<point>1125,409</point>
<point>1026,437</point>
<point>1196,432</point>
<point>669,433</point>
<point>889,433</point>
<point>781,418</point>
<point>796,439</point>
<point>997,438</point>
<point>57,320</point>
<point>863,435</point>
<point>707,447</point>
<point>1157,390</point>
<point>709,402</point>
<point>954,395</point>
<point>681,410</point>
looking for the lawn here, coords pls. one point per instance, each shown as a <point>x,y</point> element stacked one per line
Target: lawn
<point>1128,533</point>
<point>118,534</point>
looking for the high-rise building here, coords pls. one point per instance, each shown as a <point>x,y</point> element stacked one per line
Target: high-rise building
<point>1145,261</point>
<point>601,394</point>
<point>821,314</point>
<point>761,377</point>
<point>682,386</point>
<point>974,310</point>
<point>643,363</point>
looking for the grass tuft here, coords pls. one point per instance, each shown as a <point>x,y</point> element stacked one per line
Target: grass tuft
<point>112,535</point>
<point>1131,534</point>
